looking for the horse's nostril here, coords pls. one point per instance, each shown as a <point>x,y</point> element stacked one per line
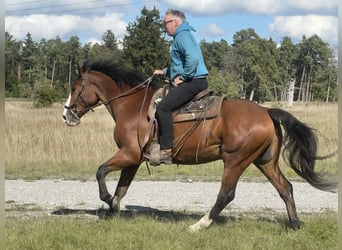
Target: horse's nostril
<point>64,117</point>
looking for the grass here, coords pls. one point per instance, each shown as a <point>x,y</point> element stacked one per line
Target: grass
<point>39,145</point>
<point>171,232</point>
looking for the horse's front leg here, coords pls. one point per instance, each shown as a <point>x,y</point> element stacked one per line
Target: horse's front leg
<point>125,180</point>
<point>129,164</point>
<point>100,176</point>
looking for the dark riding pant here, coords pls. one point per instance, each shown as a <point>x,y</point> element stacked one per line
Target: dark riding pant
<point>176,97</point>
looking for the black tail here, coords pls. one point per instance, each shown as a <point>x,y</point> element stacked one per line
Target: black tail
<point>301,145</point>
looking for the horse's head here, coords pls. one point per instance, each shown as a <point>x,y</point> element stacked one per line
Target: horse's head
<point>100,82</point>
<point>81,99</point>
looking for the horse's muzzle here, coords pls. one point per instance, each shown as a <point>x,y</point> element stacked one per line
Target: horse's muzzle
<point>70,118</point>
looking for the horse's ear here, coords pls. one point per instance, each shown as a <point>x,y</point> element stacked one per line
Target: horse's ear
<point>79,69</point>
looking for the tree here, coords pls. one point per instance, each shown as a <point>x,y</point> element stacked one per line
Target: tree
<point>109,40</point>
<point>288,53</point>
<point>72,48</point>
<point>12,65</point>
<point>257,63</point>
<point>56,59</point>
<point>108,49</point>
<point>324,87</point>
<point>220,60</point>
<point>314,56</point>
<point>29,59</point>
<point>145,49</point>
<point>222,84</point>
<point>214,53</point>
<point>241,41</point>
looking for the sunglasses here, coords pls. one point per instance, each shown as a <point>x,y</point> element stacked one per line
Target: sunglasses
<point>169,21</point>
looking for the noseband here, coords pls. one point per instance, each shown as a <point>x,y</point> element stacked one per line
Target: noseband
<point>79,99</point>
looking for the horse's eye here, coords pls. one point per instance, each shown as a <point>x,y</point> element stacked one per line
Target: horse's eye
<point>73,89</point>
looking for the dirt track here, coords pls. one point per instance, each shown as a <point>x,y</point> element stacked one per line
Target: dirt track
<point>48,196</point>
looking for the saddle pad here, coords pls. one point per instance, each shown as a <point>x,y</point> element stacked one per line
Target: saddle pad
<point>205,108</point>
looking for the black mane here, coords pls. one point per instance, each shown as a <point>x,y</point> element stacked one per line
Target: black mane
<point>118,73</point>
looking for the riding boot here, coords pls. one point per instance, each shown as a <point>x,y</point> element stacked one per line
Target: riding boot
<point>166,156</point>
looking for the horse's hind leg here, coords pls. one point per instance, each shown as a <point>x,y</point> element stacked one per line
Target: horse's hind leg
<point>272,171</point>
<point>226,194</point>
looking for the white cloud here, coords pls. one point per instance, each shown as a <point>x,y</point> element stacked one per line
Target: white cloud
<point>50,26</point>
<point>270,7</point>
<point>93,41</point>
<point>297,26</point>
<point>110,21</point>
<point>212,30</point>
<point>41,25</point>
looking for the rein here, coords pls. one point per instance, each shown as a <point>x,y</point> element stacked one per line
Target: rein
<point>128,92</point>
<point>106,102</point>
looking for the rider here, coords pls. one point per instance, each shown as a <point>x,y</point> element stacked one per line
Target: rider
<point>187,73</point>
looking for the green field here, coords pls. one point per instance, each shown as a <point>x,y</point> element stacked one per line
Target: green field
<point>170,232</point>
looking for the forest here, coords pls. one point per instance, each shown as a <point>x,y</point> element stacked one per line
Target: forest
<point>251,67</point>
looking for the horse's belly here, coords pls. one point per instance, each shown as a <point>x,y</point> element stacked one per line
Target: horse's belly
<point>198,156</point>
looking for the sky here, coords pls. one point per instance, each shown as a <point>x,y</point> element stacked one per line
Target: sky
<point>213,19</point>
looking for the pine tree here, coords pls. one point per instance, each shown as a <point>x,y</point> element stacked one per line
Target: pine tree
<point>145,49</point>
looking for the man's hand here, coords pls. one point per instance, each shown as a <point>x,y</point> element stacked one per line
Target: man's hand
<point>177,80</point>
<point>158,72</point>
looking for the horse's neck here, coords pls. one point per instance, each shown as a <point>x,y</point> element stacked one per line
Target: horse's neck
<point>131,106</point>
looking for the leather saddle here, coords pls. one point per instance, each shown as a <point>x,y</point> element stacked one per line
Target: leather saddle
<point>203,106</point>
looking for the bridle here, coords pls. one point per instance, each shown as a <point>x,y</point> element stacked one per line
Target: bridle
<point>88,107</point>
<point>79,98</point>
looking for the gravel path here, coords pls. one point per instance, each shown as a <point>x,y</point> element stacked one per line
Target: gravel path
<point>49,195</point>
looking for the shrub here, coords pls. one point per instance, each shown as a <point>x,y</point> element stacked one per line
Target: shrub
<point>45,96</point>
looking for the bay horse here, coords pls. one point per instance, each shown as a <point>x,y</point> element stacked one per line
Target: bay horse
<point>243,133</point>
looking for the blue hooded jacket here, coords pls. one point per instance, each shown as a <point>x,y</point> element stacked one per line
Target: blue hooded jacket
<point>186,56</point>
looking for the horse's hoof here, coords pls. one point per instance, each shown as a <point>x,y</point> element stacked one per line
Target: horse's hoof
<point>194,228</point>
<point>109,214</point>
<point>115,207</point>
<point>104,213</point>
<point>204,222</point>
<point>295,225</point>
